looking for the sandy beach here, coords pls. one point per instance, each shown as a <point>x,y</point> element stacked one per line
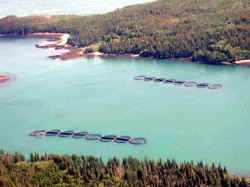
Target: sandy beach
<point>242,62</point>
<point>55,39</point>
<point>76,52</point>
<point>59,41</point>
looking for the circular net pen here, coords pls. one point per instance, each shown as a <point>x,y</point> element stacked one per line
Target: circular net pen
<point>202,85</point>
<point>54,132</point>
<point>159,80</point>
<point>79,135</point>
<point>190,84</point>
<point>123,139</point>
<point>179,83</point>
<point>214,86</point>
<point>138,141</point>
<point>149,78</point>
<point>66,134</point>
<point>37,133</point>
<point>93,137</point>
<point>169,81</point>
<point>108,138</point>
<point>140,77</point>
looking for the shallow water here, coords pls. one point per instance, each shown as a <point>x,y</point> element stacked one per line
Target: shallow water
<point>100,96</point>
<point>55,7</point>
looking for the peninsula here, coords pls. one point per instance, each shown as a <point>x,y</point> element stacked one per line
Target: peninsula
<point>213,31</point>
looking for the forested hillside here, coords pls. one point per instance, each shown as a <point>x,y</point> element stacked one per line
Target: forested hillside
<point>211,31</point>
<point>55,170</point>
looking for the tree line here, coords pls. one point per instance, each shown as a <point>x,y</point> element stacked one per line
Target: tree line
<point>210,31</point>
<point>75,170</point>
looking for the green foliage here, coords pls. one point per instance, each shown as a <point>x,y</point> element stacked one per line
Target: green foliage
<point>212,31</point>
<point>63,170</point>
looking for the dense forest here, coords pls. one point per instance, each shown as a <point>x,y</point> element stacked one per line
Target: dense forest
<point>211,31</point>
<point>63,170</point>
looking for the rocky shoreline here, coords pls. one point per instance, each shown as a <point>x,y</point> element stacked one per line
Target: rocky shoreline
<point>4,78</point>
<point>59,41</point>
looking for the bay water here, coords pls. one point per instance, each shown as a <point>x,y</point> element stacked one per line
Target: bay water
<point>100,96</point>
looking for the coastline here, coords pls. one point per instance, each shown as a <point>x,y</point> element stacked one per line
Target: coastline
<point>77,52</point>
<point>243,62</point>
<point>59,41</point>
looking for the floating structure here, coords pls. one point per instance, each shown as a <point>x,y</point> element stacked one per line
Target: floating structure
<point>93,137</point>
<point>159,79</point>
<point>179,83</point>
<point>123,139</point>
<point>78,135</point>
<point>85,135</point>
<point>169,81</point>
<point>140,77</point>
<point>108,138</point>
<point>202,85</point>
<point>37,133</point>
<point>214,86</point>
<point>54,132</point>
<point>138,141</point>
<point>149,78</point>
<point>190,84</point>
<point>66,133</point>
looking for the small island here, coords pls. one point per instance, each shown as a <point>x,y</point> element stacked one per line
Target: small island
<point>4,78</point>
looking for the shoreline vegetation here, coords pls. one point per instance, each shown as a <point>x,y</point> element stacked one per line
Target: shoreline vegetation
<point>213,32</point>
<point>59,41</point>
<point>80,170</point>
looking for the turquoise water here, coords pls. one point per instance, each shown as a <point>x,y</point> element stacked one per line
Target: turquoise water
<point>100,96</point>
<point>55,7</point>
